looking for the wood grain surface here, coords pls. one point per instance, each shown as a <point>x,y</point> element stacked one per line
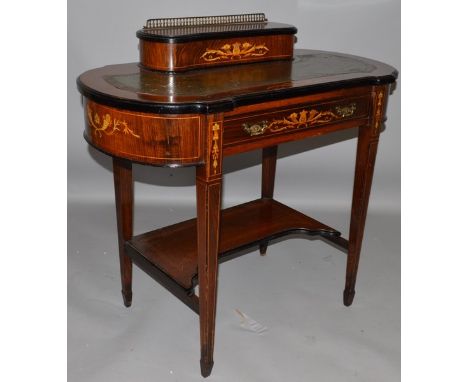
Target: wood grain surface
<point>183,56</point>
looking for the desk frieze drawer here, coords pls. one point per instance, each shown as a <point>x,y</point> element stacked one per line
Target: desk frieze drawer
<point>285,121</point>
<point>166,140</point>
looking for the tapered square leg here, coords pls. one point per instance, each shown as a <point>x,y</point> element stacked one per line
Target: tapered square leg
<point>269,157</point>
<point>123,185</point>
<point>368,140</point>
<point>208,211</point>
<point>208,183</point>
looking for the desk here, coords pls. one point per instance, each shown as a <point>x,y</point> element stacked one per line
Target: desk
<point>197,118</point>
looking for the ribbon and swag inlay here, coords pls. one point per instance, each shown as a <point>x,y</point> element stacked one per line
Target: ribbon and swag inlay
<point>105,124</point>
<point>235,51</point>
<point>304,118</point>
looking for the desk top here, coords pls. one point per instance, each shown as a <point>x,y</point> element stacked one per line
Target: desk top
<point>132,87</point>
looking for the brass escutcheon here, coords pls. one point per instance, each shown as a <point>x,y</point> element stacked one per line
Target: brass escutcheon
<point>256,128</point>
<point>345,111</point>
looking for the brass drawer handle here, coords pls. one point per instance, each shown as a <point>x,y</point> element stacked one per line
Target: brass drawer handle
<point>256,128</point>
<point>346,111</point>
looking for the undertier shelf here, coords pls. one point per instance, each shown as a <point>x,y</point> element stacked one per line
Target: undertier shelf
<point>172,250</point>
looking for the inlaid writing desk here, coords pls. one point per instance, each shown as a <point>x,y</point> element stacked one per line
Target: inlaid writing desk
<point>197,118</point>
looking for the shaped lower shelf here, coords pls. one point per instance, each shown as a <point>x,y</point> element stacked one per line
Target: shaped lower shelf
<point>172,250</point>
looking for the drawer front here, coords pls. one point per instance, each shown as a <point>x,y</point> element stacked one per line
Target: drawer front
<point>167,140</point>
<point>252,127</point>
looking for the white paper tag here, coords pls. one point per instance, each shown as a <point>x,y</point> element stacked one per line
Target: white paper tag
<point>250,324</point>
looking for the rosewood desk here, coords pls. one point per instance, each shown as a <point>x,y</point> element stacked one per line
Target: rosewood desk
<point>197,118</point>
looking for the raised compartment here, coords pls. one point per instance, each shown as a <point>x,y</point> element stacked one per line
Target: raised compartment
<point>179,44</point>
